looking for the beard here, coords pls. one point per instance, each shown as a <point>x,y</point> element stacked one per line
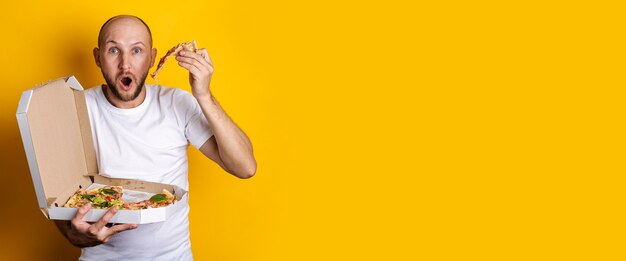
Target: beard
<point>115,90</point>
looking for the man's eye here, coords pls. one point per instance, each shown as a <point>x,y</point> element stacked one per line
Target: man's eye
<point>136,50</point>
<point>114,50</point>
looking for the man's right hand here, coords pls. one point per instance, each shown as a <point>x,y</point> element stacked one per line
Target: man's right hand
<point>83,234</point>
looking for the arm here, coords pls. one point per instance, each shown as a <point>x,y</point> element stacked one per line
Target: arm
<point>83,234</point>
<point>229,147</point>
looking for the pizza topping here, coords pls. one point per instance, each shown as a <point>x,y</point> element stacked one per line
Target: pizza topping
<point>97,200</point>
<point>109,191</point>
<point>110,196</point>
<point>158,198</point>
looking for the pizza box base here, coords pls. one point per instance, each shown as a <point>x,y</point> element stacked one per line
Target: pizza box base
<point>143,216</point>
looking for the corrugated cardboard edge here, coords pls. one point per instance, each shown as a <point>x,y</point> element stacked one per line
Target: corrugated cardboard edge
<point>85,131</point>
<point>85,125</point>
<point>22,122</point>
<point>73,83</point>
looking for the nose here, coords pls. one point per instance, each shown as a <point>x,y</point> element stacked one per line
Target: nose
<point>125,62</point>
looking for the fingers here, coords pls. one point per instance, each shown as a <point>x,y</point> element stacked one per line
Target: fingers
<point>82,211</point>
<point>121,227</point>
<point>96,227</point>
<point>116,229</point>
<point>205,54</point>
<point>103,233</point>
<point>190,67</point>
<point>87,234</point>
<point>202,57</point>
<point>194,62</point>
<point>197,63</point>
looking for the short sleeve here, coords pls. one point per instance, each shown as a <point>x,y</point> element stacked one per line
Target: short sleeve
<point>197,128</point>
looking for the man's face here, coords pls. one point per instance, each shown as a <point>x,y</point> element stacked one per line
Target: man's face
<point>124,56</point>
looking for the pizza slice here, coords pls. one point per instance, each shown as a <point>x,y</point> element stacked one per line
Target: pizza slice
<point>102,198</point>
<point>158,200</point>
<point>186,46</point>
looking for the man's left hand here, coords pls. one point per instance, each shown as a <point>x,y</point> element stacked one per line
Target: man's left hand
<point>200,69</point>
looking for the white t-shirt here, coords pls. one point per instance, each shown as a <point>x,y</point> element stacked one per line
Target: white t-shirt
<point>148,142</point>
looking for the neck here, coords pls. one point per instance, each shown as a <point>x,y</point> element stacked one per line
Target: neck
<point>117,102</point>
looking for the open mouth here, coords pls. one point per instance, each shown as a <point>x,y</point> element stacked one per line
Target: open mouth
<point>126,81</point>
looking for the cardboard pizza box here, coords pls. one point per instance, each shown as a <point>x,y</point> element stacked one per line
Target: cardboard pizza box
<point>56,133</point>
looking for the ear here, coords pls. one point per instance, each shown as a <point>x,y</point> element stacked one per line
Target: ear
<point>96,56</point>
<point>153,54</point>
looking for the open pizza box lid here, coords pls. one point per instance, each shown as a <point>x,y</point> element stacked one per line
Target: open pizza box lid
<point>55,129</point>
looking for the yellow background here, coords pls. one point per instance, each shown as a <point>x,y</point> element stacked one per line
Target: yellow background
<point>383,130</point>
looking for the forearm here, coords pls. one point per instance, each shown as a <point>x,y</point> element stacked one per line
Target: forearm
<point>234,147</point>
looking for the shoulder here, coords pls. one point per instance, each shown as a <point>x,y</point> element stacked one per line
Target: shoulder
<point>91,94</point>
<point>173,94</point>
<point>93,90</point>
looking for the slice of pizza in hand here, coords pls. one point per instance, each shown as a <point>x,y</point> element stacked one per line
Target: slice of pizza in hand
<point>186,46</point>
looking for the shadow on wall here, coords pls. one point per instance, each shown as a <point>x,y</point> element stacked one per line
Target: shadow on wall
<point>27,234</point>
<point>73,54</point>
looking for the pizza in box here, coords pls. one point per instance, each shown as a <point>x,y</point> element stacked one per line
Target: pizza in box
<point>111,196</point>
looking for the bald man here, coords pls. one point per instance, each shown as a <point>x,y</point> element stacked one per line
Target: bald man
<point>142,131</point>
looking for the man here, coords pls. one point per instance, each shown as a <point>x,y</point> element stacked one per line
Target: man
<point>142,131</point>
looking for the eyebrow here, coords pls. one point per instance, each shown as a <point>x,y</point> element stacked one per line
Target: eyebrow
<point>112,41</point>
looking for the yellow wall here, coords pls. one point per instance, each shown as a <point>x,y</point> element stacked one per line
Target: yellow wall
<point>441,130</point>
